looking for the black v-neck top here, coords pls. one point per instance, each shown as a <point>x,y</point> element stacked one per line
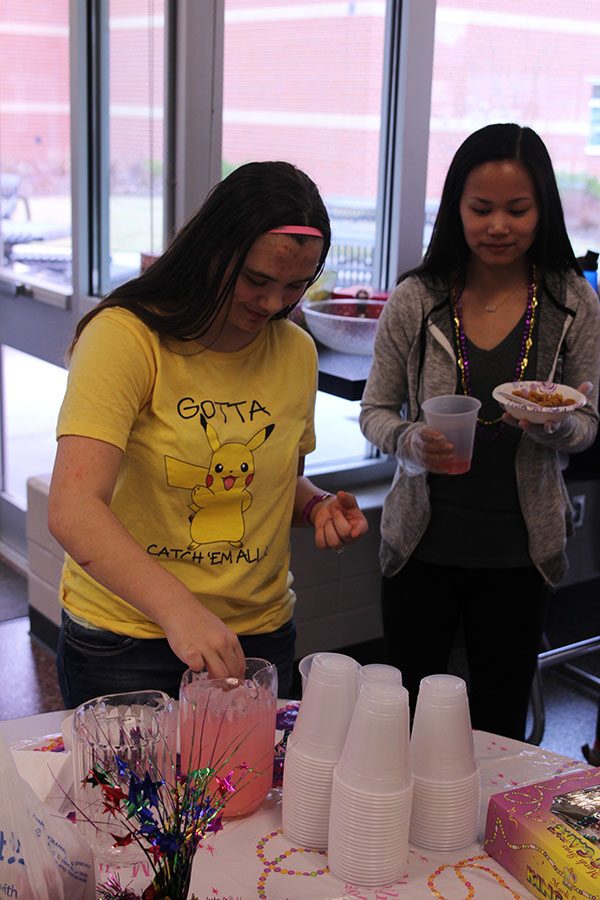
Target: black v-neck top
<point>476,519</point>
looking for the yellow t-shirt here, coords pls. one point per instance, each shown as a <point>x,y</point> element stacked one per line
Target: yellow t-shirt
<point>207,481</point>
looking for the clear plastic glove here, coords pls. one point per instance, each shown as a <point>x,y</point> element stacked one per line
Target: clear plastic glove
<point>549,427</point>
<point>428,448</point>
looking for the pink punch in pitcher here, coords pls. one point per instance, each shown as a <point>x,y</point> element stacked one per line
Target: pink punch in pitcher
<point>229,724</point>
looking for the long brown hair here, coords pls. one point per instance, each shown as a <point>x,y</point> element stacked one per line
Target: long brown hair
<point>180,294</point>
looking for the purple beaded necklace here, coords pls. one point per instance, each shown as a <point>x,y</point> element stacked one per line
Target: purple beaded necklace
<point>526,340</point>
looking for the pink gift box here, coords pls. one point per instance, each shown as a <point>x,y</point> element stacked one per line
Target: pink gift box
<point>548,835</point>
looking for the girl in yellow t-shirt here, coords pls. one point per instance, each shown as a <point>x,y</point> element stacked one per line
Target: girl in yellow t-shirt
<point>181,444</point>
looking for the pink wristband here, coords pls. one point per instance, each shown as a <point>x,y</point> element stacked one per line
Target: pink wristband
<point>308,506</point>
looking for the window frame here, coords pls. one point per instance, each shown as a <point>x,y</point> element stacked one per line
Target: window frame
<point>40,320</point>
<point>593,146</point>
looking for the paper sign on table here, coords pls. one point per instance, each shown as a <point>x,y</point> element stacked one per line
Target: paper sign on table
<point>49,774</point>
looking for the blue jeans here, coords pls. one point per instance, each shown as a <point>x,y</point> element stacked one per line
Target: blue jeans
<point>91,663</point>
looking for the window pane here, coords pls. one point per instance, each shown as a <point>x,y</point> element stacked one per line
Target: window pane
<point>505,62</point>
<point>595,124</point>
<point>136,133</point>
<point>302,83</point>
<point>32,394</point>
<point>35,224</point>
<point>339,440</point>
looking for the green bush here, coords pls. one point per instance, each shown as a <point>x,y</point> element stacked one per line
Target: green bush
<point>579,181</point>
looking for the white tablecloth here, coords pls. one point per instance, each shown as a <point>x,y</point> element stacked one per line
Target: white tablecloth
<point>252,859</point>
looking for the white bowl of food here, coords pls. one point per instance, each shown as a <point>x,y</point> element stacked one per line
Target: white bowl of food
<point>538,401</point>
<point>345,325</point>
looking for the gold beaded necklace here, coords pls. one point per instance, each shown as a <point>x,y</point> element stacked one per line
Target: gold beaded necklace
<point>461,341</point>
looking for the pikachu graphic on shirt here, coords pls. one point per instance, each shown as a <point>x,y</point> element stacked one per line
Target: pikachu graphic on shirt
<point>220,494</point>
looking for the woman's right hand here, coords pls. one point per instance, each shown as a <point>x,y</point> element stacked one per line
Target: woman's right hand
<point>202,641</point>
<point>429,449</point>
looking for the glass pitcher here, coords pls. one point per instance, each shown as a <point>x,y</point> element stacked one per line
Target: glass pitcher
<point>228,724</point>
<point>140,728</point>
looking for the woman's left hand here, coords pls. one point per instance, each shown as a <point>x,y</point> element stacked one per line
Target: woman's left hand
<point>338,522</point>
<point>549,427</point>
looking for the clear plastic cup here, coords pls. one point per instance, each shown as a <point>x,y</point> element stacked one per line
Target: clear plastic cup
<point>299,782</point>
<point>350,796</point>
<point>315,746</point>
<point>445,819</point>
<point>304,668</point>
<point>455,416</point>
<point>454,841</point>
<point>442,690</point>
<point>433,834</point>
<point>376,751</point>
<point>306,801</point>
<point>447,812</point>
<point>367,844</point>
<point>447,789</point>
<point>384,796</point>
<point>441,744</point>
<point>332,668</point>
<point>381,873</point>
<point>367,868</point>
<point>327,706</point>
<point>379,672</point>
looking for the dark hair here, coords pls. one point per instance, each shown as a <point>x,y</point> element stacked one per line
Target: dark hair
<point>447,253</point>
<point>182,292</point>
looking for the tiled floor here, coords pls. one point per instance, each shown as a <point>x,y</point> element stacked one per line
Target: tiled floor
<point>13,594</point>
<point>29,683</point>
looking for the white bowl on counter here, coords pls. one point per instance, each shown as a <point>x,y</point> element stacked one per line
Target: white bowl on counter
<point>348,326</point>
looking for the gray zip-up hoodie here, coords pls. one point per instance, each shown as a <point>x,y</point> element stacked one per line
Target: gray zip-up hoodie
<point>414,359</point>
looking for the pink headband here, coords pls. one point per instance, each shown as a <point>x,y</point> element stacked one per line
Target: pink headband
<point>297,229</point>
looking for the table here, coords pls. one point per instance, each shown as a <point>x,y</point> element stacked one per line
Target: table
<point>342,374</point>
<point>252,859</point>
<point>14,730</point>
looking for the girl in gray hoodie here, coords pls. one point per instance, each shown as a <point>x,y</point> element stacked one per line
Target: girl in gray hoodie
<point>498,297</point>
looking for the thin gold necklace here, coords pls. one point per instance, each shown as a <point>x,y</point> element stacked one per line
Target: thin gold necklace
<point>490,307</point>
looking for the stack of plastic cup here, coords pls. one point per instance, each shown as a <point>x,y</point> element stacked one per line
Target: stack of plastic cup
<point>447,782</point>
<point>315,746</point>
<point>372,790</point>
<point>379,672</point>
<point>304,668</point>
